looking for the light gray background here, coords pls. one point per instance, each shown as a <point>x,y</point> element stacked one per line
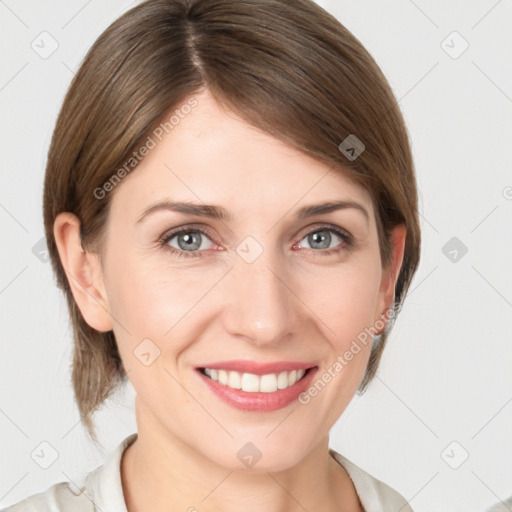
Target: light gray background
<point>445,376</point>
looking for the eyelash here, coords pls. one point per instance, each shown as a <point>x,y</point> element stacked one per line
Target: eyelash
<point>348,241</point>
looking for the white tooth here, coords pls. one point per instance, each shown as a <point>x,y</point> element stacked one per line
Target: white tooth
<point>250,382</point>
<point>234,380</point>
<point>223,377</point>
<point>282,380</point>
<point>268,383</point>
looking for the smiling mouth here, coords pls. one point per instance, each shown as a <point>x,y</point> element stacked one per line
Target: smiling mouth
<point>252,383</point>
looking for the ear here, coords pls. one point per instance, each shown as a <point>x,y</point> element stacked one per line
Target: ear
<point>390,274</point>
<point>83,271</point>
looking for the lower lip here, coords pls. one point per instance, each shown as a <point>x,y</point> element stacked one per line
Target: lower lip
<point>259,402</point>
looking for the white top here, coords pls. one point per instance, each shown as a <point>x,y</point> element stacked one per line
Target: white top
<point>103,488</point>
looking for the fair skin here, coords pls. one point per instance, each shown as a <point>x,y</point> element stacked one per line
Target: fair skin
<point>292,303</point>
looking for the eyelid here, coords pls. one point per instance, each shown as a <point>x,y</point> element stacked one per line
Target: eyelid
<point>170,233</point>
<point>325,225</point>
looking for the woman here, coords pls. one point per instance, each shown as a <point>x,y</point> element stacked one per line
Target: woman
<point>231,210</point>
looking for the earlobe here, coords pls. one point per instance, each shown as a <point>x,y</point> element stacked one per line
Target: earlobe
<point>83,271</point>
<point>390,275</point>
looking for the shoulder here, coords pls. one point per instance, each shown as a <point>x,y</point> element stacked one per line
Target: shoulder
<point>100,490</point>
<point>59,497</point>
<point>375,495</point>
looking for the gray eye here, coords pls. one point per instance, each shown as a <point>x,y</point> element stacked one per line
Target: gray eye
<point>321,239</point>
<point>189,241</point>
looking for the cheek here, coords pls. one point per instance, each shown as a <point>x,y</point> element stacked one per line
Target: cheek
<point>344,300</point>
<point>157,301</point>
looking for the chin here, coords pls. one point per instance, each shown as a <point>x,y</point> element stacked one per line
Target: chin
<point>257,453</point>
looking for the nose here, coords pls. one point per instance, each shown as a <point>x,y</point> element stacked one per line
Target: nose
<point>262,306</point>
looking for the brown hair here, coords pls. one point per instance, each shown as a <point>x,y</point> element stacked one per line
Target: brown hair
<point>286,67</point>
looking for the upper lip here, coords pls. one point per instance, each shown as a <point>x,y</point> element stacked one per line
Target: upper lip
<point>258,368</point>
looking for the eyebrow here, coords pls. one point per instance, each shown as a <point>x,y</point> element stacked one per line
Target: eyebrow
<point>219,213</point>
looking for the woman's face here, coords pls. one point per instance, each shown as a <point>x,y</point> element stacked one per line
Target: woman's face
<point>264,290</point>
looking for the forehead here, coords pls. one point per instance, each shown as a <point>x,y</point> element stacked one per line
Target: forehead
<point>211,155</point>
